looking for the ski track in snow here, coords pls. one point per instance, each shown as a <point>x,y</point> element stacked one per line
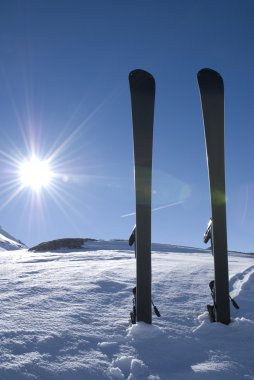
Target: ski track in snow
<point>65,315</point>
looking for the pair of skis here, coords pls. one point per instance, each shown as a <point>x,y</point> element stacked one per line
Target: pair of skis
<point>142,88</point>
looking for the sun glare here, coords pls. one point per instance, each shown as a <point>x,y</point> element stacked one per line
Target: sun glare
<point>35,174</point>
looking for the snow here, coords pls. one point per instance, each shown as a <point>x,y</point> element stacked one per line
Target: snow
<point>65,315</point>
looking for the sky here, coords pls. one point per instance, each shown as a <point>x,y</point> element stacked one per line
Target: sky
<point>64,98</point>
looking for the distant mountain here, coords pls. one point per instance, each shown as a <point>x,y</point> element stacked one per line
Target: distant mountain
<point>8,242</point>
<point>88,244</point>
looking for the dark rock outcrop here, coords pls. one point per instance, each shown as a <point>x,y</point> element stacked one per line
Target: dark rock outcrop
<point>59,244</point>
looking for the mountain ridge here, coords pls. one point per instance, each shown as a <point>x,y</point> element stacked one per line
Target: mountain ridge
<point>8,242</point>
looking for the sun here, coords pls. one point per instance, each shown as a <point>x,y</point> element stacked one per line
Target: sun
<point>35,174</point>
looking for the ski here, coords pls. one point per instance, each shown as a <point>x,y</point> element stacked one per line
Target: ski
<point>212,100</point>
<point>142,89</point>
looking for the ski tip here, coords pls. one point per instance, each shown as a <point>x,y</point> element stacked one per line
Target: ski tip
<point>140,74</point>
<point>210,81</point>
<point>208,73</point>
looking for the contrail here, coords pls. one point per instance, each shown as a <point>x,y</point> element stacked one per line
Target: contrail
<point>155,209</point>
<point>166,206</point>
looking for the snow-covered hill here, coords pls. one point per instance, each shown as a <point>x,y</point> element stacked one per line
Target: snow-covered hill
<point>65,316</point>
<point>8,242</point>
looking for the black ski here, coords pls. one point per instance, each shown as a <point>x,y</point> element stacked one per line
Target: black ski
<point>142,88</point>
<point>212,100</point>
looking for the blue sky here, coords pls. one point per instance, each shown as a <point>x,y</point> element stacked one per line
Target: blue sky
<point>64,94</point>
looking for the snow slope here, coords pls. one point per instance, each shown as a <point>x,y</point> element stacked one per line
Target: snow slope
<point>8,242</point>
<point>65,316</point>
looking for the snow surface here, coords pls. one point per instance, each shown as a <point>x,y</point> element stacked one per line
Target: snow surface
<point>65,315</point>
